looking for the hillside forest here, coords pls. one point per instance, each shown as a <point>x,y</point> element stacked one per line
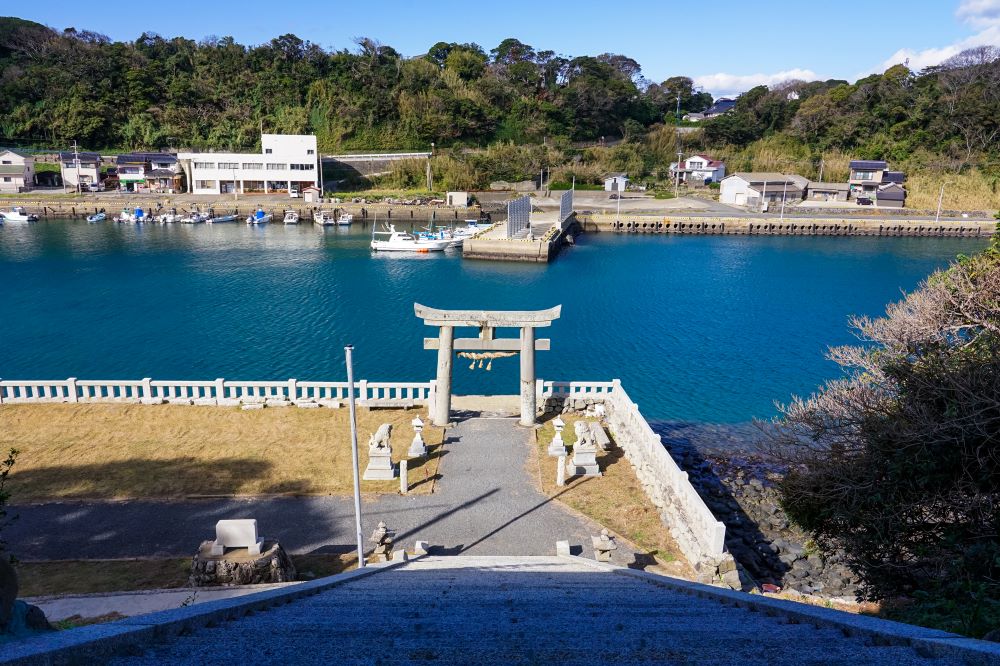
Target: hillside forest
<point>499,114</point>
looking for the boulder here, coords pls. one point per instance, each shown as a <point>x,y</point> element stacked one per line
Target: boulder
<point>17,618</point>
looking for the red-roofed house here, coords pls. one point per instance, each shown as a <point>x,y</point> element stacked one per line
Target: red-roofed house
<point>700,169</point>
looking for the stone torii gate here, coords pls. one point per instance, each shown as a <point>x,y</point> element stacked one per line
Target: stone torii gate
<point>487,321</point>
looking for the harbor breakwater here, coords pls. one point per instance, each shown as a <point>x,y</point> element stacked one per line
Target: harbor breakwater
<point>797,226</point>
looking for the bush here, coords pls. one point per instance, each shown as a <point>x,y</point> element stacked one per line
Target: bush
<point>5,518</point>
<point>899,463</point>
<point>565,185</point>
<point>663,194</point>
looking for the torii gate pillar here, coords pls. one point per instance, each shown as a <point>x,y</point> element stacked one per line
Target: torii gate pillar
<point>487,321</point>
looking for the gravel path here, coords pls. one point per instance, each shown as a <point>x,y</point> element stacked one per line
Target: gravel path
<point>485,503</point>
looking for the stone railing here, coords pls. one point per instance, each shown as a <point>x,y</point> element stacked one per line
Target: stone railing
<point>214,392</point>
<point>699,535</point>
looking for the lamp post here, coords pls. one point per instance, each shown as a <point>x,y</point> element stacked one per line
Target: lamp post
<point>784,189</point>
<point>348,350</point>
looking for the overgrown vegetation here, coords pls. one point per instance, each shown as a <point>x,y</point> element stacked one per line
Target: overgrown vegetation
<point>5,517</point>
<point>504,114</point>
<point>899,464</point>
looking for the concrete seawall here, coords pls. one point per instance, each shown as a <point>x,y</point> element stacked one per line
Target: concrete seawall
<point>797,226</point>
<point>538,251</point>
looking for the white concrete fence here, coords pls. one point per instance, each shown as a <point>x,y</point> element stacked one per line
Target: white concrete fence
<point>699,535</point>
<point>216,392</point>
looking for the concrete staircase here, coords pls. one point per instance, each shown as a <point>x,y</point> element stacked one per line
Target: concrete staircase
<point>517,610</point>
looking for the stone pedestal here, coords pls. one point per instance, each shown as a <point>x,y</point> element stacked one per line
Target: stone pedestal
<point>239,567</point>
<point>380,468</point>
<point>584,460</point>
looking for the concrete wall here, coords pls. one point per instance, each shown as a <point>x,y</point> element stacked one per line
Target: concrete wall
<point>790,226</point>
<point>692,525</point>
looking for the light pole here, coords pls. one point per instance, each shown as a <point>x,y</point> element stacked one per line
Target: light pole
<point>937,218</point>
<point>784,189</point>
<point>354,453</point>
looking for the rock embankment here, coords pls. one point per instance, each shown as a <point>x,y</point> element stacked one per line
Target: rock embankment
<point>740,490</point>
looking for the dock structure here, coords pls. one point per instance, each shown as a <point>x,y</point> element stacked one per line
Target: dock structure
<point>526,235</point>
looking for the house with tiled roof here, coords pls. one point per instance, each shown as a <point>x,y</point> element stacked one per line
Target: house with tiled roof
<point>80,169</point>
<point>758,190</point>
<point>17,171</point>
<point>699,169</point>
<point>869,176</point>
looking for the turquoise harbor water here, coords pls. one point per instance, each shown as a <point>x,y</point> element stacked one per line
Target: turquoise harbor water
<point>700,329</point>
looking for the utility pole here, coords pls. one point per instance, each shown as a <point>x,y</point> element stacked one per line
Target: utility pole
<point>784,190</point>
<point>937,218</point>
<point>821,165</point>
<point>677,126</point>
<point>76,160</point>
<point>763,195</point>
<point>354,454</point>
<point>677,174</point>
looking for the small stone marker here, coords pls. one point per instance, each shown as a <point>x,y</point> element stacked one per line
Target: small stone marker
<point>240,533</point>
<point>380,467</point>
<point>404,485</point>
<point>562,548</point>
<point>603,545</point>
<point>584,460</point>
<point>382,538</point>
<point>556,446</point>
<point>399,556</point>
<point>420,548</point>
<point>601,438</point>
<point>561,471</point>
<point>417,447</point>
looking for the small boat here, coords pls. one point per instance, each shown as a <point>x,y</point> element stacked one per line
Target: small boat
<point>400,241</point>
<point>441,233</point>
<point>196,217</point>
<point>324,218</point>
<point>345,219</point>
<point>169,218</point>
<point>259,217</point>
<point>219,219</point>
<point>18,214</point>
<point>291,217</point>
<point>136,216</point>
<point>97,217</point>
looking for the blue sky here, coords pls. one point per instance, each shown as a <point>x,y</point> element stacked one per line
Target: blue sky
<point>726,45</point>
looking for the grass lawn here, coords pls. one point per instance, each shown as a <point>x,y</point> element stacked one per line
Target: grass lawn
<point>615,500</point>
<point>102,451</point>
<point>64,577</point>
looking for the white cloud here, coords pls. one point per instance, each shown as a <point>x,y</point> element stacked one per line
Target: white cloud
<point>983,14</point>
<point>730,85</point>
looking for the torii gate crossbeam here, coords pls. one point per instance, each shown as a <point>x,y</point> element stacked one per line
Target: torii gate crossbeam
<point>487,321</point>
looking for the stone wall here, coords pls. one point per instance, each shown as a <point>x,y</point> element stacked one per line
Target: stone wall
<point>691,524</point>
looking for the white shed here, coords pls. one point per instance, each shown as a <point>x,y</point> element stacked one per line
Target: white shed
<point>615,182</point>
<point>457,199</point>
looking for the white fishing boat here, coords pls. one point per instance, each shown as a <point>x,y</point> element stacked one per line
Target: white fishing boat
<point>133,216</point>
<point>18,214</point>
<point>220,219</point>
<point>324,218</point>
<point>196,217</point>
<point>170,217</point>
<point>345,219</point>
<point>441,233</point>
<point>259,217</point>
<point>97,217</point>
<point>400,241</point>
<point>291,217</point>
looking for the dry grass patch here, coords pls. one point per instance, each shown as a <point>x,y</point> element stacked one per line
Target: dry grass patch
<point>65,577</point>
<point>101,451</point>
<point>615,500</point>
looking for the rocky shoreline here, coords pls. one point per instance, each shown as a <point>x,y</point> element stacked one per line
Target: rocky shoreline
<point>738,485</point>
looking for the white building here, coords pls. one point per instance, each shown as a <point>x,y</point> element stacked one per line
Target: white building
<point>17,172</point>
<point>615,182</point>
<point>83,169</point>
<point>286,163</point>
<point>700,169</point>
<point>747,189</point>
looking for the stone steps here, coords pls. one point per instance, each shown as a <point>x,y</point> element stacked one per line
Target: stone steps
<point>460,610</point>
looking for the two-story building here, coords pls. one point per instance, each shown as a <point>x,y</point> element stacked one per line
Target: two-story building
<point>868,177</point>
<point>17,172</point>
<point>699,170</point>
<point>287,163</point>
<point>81,170</point>
<point>153,172</point>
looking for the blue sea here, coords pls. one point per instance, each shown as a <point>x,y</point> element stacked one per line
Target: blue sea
<point>700,329</point>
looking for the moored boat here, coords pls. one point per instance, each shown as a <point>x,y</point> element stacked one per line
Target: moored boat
<point>259,217</point>
<point>291,217</point>
<point>132,216</point>
<point>400,241</point>
<point>324,218</point>
<point>345,219</point>
<point>196,217</point>
<point>97,217</point>
<point>219,219</point>
<point>18,214</point>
